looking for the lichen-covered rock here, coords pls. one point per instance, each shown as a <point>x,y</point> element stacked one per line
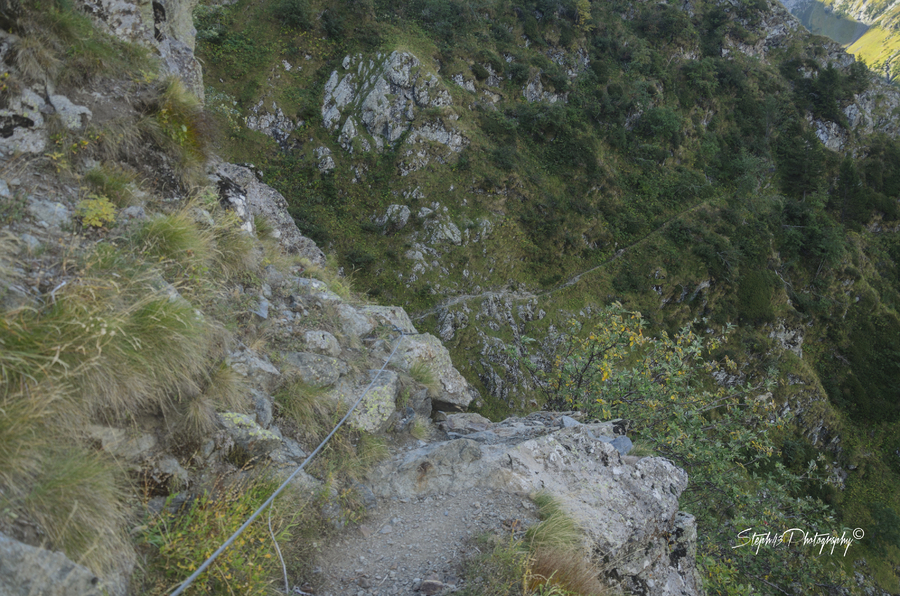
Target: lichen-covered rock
<point>326,161</point>
<point>323,342</point>
<point>50,213</point>
<point>455,393</point>
<point>247,434</point>
<point>271,121</point>
<point>255,367</point>
<point>73,116</point>
<point>353,321</point>
<point>375,410</point>
<point>394,218</point>
<point>315,369</point>
<point>534,91</point>
<point>240,188</point>
<point>289,453</point>
<point>30,571</point>
<point>444,231</point>
<point>393,316</point>
<point>22,124</point>
<point>789,339</point>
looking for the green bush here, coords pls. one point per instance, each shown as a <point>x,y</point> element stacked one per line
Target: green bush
<point>660,123</point>
<point>480,72</point>
<point>609,367</point>
<point>885,527</point>
<point>755,296</point>
<point>293,13</point>
<point>518,72</point>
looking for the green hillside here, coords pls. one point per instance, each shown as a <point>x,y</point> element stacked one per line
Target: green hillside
<point>659,168</point>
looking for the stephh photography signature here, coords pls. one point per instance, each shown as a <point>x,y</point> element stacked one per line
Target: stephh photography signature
<point>799,537</point>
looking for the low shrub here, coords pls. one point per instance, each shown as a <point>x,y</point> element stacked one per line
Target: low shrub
<point>755,296</point>
<point>96,211</point>
<point>293,13</point>
<point>114,182</point>
<point>178,124</point>
<point>184,540</point>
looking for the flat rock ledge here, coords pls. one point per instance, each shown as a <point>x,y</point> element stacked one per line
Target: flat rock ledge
<point>627,506</point>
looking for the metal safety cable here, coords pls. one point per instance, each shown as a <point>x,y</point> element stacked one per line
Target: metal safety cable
<point>184,585</point>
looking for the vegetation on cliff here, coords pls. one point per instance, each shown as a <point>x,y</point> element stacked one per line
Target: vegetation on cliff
<point>680,169</point>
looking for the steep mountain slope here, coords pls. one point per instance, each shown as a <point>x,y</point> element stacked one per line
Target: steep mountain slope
<point>499,167</point>
<point>867,29</point>
<point>172,347</point>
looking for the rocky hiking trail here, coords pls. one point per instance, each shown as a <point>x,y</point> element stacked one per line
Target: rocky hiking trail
<point>429,503</point>
<point>419,544</point>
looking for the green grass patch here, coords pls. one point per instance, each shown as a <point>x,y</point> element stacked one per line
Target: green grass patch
<point>180,542</point>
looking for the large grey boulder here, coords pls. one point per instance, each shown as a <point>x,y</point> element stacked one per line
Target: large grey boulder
<point>393,316</point>
<point>23,124</point>
<point>455,393</point>
<point>247,434</point>
<point>48,213</point>
<point>374,412</point>
<point>323,342</point>
<point>74,117</point>
<point>128,448</point>
<point>315,369</point>
<point>353,321</point>
<point>30,571</point>
<point>255,367</point>
<point>628,510</point>
<point>249,197</point>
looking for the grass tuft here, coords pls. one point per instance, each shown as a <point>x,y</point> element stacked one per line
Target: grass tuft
<point>421,428</point>
<point>35,59</point>
<point>264,228</point>
<point>177,241</point>
<point>114,182</point>
<point>225,388</point>
<point>548,561</point>
<point>114,337</point>
<point>337,284</point>
<point>306,407</point>
<point>60,43</point>
<point>422,373</point>
<point>235,249</point>
<point>178,124</point>
<point>75,497</point>
<point>557,559</point>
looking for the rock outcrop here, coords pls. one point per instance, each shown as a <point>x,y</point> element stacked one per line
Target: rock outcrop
<point>249,197</point>
<point>372,102</point>
<point>166,26</point>
<point>867,112</point>
<point>626,506</point>
<point>31,571</point>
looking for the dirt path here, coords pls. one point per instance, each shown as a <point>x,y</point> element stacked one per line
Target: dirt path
<point>418,545</point>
